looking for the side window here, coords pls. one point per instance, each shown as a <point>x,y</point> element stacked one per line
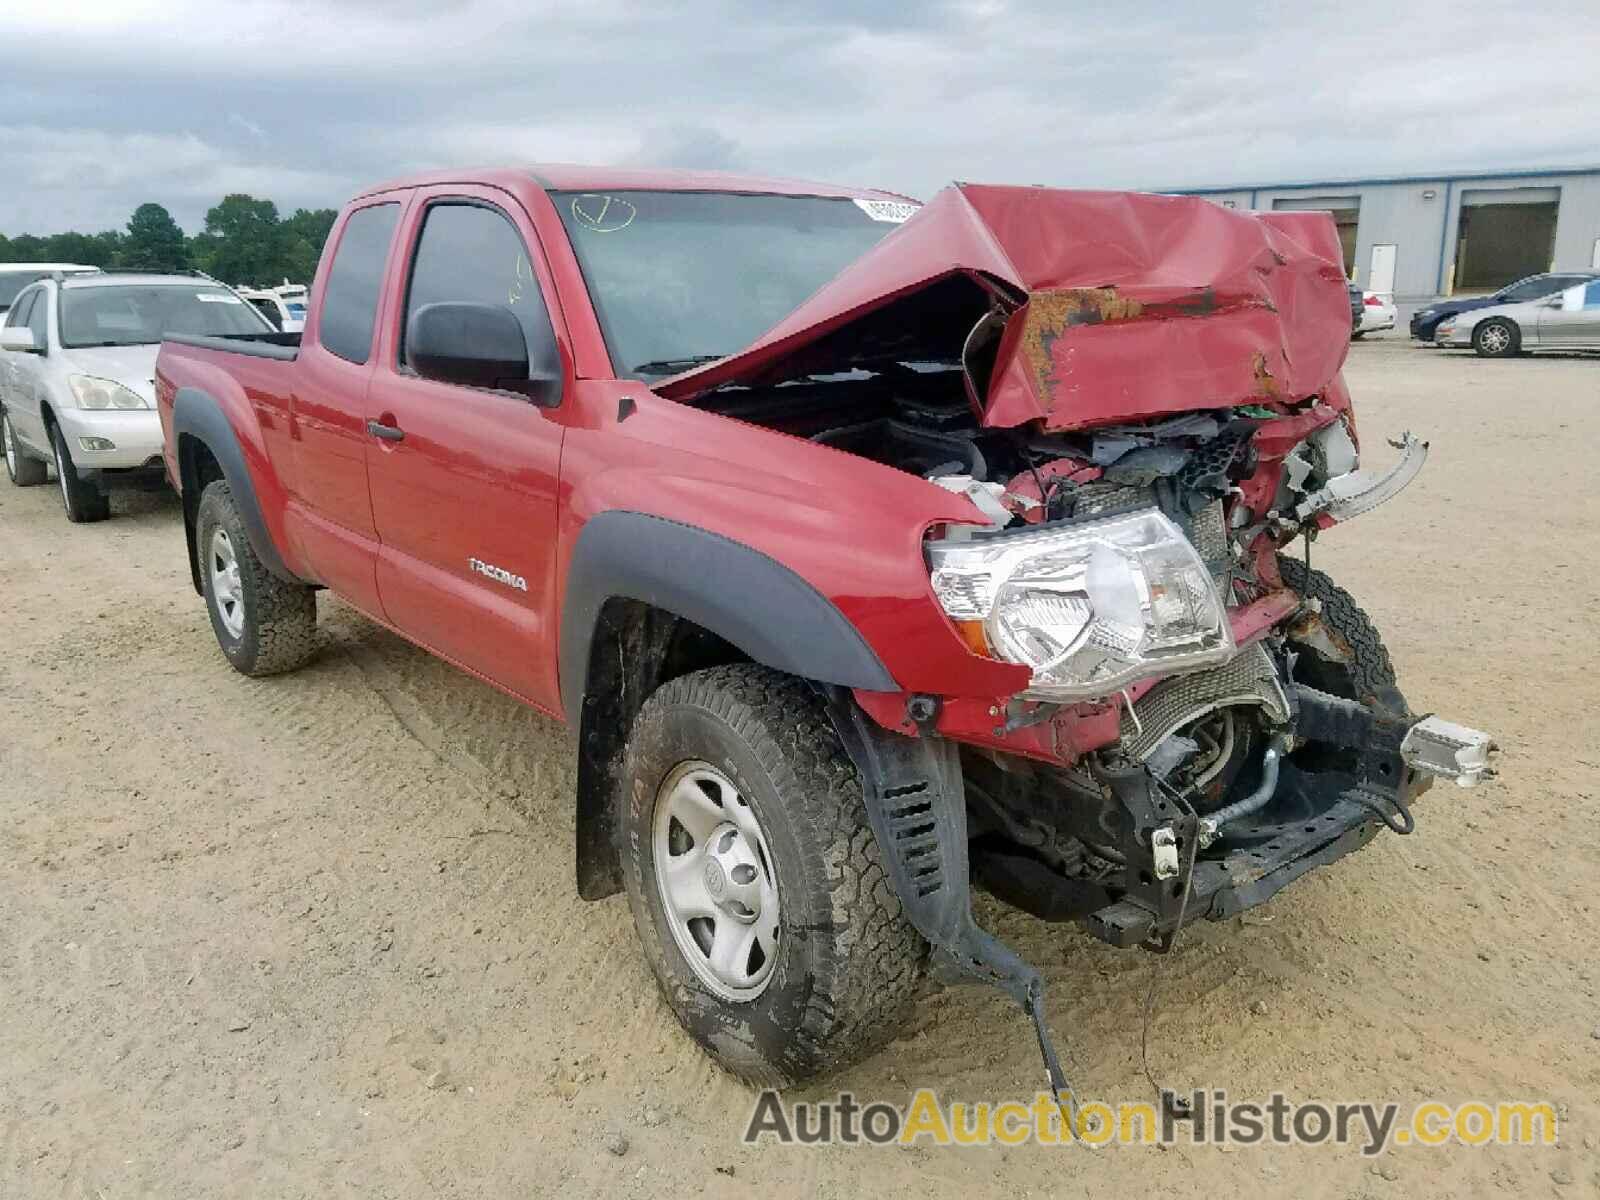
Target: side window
<point>1591,294</point>
<point>350,301</point>
<point>39,319</point>
<point>474,254</point>
<point>18,316</point>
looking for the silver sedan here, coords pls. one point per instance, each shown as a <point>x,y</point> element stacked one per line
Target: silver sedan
<point>1569,320</point>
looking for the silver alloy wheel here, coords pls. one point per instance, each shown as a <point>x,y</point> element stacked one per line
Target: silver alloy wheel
<point>1495,339</point>
<point>61,474</point>
<point>718,888</point>
<point>11,444</point>
<point>227,593</point>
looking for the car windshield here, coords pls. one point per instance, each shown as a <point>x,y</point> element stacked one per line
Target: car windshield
<point>138,314</point>
<point>680,278</point>
<point>1529,289</point>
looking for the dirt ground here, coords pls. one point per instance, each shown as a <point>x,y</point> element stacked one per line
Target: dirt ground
<point>317,935</point>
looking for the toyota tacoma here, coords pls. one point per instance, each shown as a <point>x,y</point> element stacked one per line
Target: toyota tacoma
<point>872,549</point>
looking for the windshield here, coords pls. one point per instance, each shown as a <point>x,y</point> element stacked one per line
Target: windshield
<point>679,278</point>
<point>139,314</point>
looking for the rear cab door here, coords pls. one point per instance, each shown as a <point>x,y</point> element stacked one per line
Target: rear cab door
<point>329,514</point>
<point>464,480</point>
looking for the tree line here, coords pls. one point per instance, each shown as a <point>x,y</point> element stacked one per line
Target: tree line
<point>245,241</point>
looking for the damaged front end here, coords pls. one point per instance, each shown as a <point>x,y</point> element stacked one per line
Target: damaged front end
<point>1141,398</point>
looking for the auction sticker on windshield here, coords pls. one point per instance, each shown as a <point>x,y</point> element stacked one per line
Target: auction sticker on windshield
<point>896,212</point>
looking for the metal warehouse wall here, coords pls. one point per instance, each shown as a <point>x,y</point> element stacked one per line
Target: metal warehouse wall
<point>1424,230</point>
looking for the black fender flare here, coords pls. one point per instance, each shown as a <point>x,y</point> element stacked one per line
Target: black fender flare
<point>197,414</point>
<point>748,599</point>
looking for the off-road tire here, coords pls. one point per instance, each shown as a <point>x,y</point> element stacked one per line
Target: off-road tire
<point>848,960</point>
<point>23,468</point>
<point>280,617</point>
<point>85,503</point>
<point>1488,345</point>
<point>1365,672</point>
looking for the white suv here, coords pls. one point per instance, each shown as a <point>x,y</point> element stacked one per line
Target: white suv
<point>77,376</point>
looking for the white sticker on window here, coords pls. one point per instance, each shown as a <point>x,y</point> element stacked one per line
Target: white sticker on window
<point>217,298</point>
<point>895,212</point>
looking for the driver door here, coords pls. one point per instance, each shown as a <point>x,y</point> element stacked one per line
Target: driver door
<point>464,479</point>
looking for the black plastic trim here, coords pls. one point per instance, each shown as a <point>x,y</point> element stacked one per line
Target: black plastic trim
<point>284,347</point>
<point>744,597</point>
<point>197,414</point>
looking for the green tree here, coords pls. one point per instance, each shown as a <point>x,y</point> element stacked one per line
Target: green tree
<point>243,240</point>
<point>154,242</point>
<point>304,235</point>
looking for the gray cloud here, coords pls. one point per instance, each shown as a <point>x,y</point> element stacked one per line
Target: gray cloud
<point>305,100</point>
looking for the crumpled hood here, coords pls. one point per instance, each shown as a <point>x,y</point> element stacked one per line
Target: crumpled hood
<point>1116,305</point>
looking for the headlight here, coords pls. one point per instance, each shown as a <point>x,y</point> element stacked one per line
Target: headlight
<point>1089,607</point>
<point>1445,328</point>
<point>91,392</point>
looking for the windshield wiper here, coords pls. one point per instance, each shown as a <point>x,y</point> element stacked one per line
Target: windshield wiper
<point>671,366</point>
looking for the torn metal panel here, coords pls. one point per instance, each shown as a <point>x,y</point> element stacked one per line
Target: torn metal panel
<point>1116,305</point>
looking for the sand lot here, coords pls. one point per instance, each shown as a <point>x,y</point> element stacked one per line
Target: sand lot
<point>317,935</point>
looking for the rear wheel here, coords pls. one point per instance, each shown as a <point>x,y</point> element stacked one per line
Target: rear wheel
<point>1497,338</point>
<point>264,624</point>
<point>24,470</point>
<point>756,885</point>
<point>84,502</point>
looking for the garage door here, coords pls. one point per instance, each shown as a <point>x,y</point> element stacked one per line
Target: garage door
<point>1504,234</point>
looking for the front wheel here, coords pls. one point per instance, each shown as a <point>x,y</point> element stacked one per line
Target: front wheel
<point>84,502</point>
<point>24,470</point>
<point>1497,338</point>
<point>757,888</point>
<point>264,624</point>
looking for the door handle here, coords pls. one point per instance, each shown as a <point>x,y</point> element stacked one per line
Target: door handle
<point>389,433</point>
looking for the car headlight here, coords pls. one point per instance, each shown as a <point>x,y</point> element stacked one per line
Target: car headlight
<point>1446,328</point>
<point>91,392</point>
<point>1090,607</point>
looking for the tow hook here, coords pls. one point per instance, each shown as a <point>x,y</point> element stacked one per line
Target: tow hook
<point>1448,750</point>
<point>1164,852</point>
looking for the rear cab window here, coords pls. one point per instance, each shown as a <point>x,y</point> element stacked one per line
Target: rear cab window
<point>350,300</point>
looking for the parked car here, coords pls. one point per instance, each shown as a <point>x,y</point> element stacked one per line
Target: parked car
<point>280,315</point>
<point>865,566</point>
<point>16,276</point>
<point>1425,321</point>
<point>1356,305</point>
<point>1377,313</point>
<point>77,367</point>
<point>1569,320</point>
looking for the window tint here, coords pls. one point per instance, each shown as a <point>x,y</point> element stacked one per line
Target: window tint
<point>472,254</point>
<point>350,302</point>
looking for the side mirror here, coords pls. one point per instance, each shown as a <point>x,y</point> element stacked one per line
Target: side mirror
<point>18,339</point>
<point>481,345</point>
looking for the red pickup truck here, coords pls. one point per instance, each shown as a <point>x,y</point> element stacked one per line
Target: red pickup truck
<point>872,548</point>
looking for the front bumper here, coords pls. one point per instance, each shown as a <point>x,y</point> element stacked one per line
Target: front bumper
<point>1455,337</point>
<point>1314,817</point>
<point>112,439</point>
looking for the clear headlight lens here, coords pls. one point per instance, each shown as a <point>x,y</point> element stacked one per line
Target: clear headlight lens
<point>1091,607</point>
<point>91,392</point>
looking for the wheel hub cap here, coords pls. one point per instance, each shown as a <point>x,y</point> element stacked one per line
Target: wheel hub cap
<point>716,881</point>
<point>227,590</point>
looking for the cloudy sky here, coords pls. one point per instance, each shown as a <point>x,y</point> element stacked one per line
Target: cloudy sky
<point>109,103</point>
